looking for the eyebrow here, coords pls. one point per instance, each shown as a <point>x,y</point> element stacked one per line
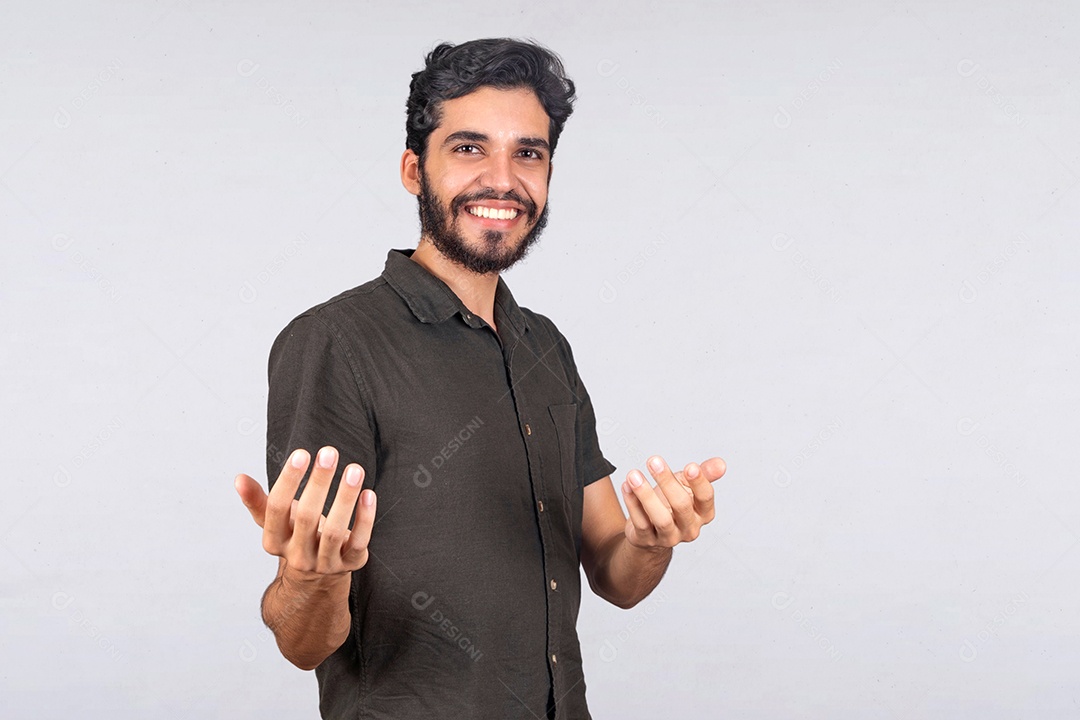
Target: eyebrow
<point>473,136</point>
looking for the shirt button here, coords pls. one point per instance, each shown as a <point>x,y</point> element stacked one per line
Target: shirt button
<point>554,660</point>
<point>554,584</point>
<point>528,430</point>
<point>541,504</point>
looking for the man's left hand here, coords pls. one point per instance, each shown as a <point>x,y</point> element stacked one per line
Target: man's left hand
<point>675,509</point>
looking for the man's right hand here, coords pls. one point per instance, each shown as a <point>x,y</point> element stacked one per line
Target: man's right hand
<point>313,546</point>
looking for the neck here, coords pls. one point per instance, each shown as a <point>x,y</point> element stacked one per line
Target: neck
<point>476,292</point>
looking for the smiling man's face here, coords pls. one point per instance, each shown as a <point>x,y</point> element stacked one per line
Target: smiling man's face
<point>482,186</point>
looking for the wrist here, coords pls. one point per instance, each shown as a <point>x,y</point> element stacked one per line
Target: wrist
<point>301,595</point>
<point>309,582</point>
<point>651,551</point>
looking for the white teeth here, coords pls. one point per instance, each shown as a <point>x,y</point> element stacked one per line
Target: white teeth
<point>493,213</point>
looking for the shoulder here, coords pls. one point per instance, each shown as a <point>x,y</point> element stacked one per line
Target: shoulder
<point>541,324</point>
<point>345,310</point>
<point>547,334</point>
<point>364,300</point>
<point>328,338</point>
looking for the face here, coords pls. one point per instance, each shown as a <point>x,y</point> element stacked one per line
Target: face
<point>482,186</point>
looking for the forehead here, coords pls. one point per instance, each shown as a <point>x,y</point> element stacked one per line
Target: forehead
<point>496,112</point>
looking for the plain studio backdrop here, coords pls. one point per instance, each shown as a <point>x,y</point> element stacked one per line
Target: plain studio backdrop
<point>833,243</point>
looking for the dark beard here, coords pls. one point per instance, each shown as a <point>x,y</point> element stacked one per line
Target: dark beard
<point>436,224</point>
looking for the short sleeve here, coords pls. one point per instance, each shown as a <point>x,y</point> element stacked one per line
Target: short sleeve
<point>591,463</point>
<point>315,399</point>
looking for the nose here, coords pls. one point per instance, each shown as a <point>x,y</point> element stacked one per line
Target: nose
<point>498,173</point>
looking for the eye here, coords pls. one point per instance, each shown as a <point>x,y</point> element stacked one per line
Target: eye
<point>533,154</point>
<point>467,149</point>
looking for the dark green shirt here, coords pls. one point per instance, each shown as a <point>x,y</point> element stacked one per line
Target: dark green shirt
<point>478,445</point>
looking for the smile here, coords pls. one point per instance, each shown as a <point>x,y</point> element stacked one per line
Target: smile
<point>493,213</point>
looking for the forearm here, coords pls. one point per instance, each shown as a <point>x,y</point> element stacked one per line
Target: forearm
<point>626,574</point>
<point>310,618</point>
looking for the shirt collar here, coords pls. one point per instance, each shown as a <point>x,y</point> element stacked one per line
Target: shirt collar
<point>431,300</point>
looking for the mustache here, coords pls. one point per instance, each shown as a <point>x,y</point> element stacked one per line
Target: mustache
<point>462,200</point>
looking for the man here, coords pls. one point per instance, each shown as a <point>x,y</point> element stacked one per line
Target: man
<point>465,413</point>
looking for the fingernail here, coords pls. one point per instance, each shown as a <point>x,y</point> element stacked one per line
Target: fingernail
<point>692,472</point>
<point>656,464</point>
<point>635,478</point>
<point>368,499</point>
<point>326,457</point>
<point>298,459</point>
<point>352,475</point>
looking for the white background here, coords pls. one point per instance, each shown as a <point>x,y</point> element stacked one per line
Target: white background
<point>829,242</point>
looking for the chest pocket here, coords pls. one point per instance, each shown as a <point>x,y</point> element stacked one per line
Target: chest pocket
<point>565,419</point>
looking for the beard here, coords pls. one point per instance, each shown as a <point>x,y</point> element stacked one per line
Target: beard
<point>440,225</point>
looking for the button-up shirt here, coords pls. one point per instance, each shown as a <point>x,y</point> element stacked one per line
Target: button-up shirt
<point>478,445</point>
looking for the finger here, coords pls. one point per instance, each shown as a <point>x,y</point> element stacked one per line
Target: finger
<point>278,521</point>
<point>252,495</point>
<point>335,529</point>
<point>354,555</point>
<point>714,468</point>
<point>311,504</point>
<point>701,483</point>
<point>661,496</point>
<point>659,515</point>
<point>679,498</point>
<point>638,517</point>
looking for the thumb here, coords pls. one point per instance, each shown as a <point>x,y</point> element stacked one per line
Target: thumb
<point>253,497</point>
<point>714,468</point>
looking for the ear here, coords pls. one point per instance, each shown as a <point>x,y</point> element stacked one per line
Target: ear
<point>551,169</point>
<point>410,171</point>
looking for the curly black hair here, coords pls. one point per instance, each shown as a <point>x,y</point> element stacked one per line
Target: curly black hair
<point>451,71</point>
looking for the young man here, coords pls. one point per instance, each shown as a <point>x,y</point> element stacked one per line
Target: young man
<point>465,413</point>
